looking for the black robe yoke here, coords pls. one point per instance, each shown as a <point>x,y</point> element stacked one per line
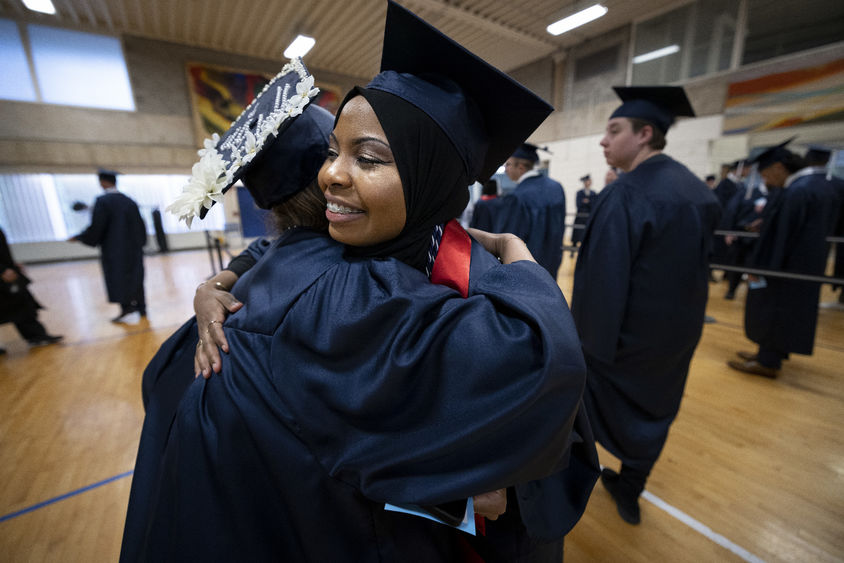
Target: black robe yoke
<point>640,290</point>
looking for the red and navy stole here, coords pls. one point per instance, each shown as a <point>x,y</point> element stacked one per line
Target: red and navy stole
<point>454,257</point>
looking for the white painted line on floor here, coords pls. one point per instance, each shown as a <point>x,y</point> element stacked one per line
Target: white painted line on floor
<point>701,528</point>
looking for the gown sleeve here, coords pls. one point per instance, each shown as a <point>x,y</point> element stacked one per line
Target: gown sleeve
<point>94,234</point>
<point>602,275</point>
<point>412,394</point>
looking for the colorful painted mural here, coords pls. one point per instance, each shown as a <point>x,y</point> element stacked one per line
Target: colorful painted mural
<point>809,95</point>
<point>219,95</point>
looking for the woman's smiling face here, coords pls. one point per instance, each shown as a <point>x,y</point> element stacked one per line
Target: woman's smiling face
<point>360,180</point>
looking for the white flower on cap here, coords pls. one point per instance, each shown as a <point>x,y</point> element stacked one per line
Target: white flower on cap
<point>203,189</point>
<point>244,140</point>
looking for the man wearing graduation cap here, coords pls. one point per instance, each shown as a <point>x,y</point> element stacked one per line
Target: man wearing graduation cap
<point>781,314</point>
<point>583,200</point>
<point>118,229</point>
<point>535,211</point>
<point>640,288</point>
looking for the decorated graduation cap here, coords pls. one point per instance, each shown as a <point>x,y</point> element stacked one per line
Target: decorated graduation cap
<point>109,176</point>
<point>772,155</point>
<point>659,105</point>
<point>275,147</point>
<point>485,113</point>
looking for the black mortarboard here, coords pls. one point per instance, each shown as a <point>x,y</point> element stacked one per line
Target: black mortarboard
<point>817,155</point>
<point>275,147</point>
<point>659,105</point>
<point>526,151</point>
<point>109,176</point>
<point>776,153</point>
<point>584,178</point>
<point>485,113</point>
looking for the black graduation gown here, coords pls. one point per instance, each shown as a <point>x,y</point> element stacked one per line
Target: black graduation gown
<point>351,384</point>
<point>584,206</point>
<point>535,212</point>
<point>118,229</point>
<point>164,381</point>
<point>783,314</point>
<point>16,302</point>
<point>838,271</point>
<point>640,290</point>
<point>724,191</point>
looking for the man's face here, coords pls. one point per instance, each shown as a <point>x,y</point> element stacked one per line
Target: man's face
<point>774,175</point>
<point>621,144</point>
<point>514,168</point>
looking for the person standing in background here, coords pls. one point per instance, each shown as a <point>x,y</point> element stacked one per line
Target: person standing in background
<point>535,211</point>
<point>640,288</point>
<point>118,229</point>
<point>583,201</point>
<point>781,314</point>
<point>17,305</point>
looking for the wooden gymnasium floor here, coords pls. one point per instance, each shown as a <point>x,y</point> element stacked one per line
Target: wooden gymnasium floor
<point>753,468</point>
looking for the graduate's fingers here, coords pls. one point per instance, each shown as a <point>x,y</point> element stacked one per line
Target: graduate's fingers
<point>491,505</point>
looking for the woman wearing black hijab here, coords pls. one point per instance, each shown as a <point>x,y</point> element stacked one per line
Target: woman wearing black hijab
<point>354,383</point>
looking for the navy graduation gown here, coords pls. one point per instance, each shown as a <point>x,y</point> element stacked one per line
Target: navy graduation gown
<point>354,383</point>
<point>535,212</point>
<point>584,206</point>
<point>783,315</point>
<point>640,290</point>
<point>118,229</point>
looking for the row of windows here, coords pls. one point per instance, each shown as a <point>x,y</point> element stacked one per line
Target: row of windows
<point>40,207</point>
<point>707,36</point>
<point>60,66</point>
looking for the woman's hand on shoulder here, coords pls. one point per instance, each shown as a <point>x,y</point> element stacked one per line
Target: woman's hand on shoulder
<point>506,246</point>
<point>212,304</point>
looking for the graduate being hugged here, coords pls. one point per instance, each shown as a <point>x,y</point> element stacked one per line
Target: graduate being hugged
<point>354,384</point>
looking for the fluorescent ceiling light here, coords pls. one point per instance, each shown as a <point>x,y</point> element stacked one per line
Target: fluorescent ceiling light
<point>576,20</point>
<point>43,6</point>
<point>299,47</point>
<point>664,52</point>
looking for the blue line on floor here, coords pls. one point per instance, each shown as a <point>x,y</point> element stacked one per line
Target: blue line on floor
<point>64,496</point>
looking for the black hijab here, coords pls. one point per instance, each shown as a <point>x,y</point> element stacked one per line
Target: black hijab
<point>433,176</point>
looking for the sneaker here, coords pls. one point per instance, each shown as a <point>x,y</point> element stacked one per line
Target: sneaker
<point>626,503</point>
<point>45,340</point>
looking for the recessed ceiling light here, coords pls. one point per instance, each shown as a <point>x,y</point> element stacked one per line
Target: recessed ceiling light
<point>576,20</point>
<point>299,47</point>
<point>43,6</point>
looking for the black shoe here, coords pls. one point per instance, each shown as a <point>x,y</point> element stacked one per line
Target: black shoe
<point>45,340</point>
<point>625,501</point>
<point>753,367</point>
<point>730,295</point>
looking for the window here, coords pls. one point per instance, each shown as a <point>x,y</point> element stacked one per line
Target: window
<point>690,41</point>
<point>70,68</point>
<point>39,207</point>
<point>780,27</point>
<point>14,68</point>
